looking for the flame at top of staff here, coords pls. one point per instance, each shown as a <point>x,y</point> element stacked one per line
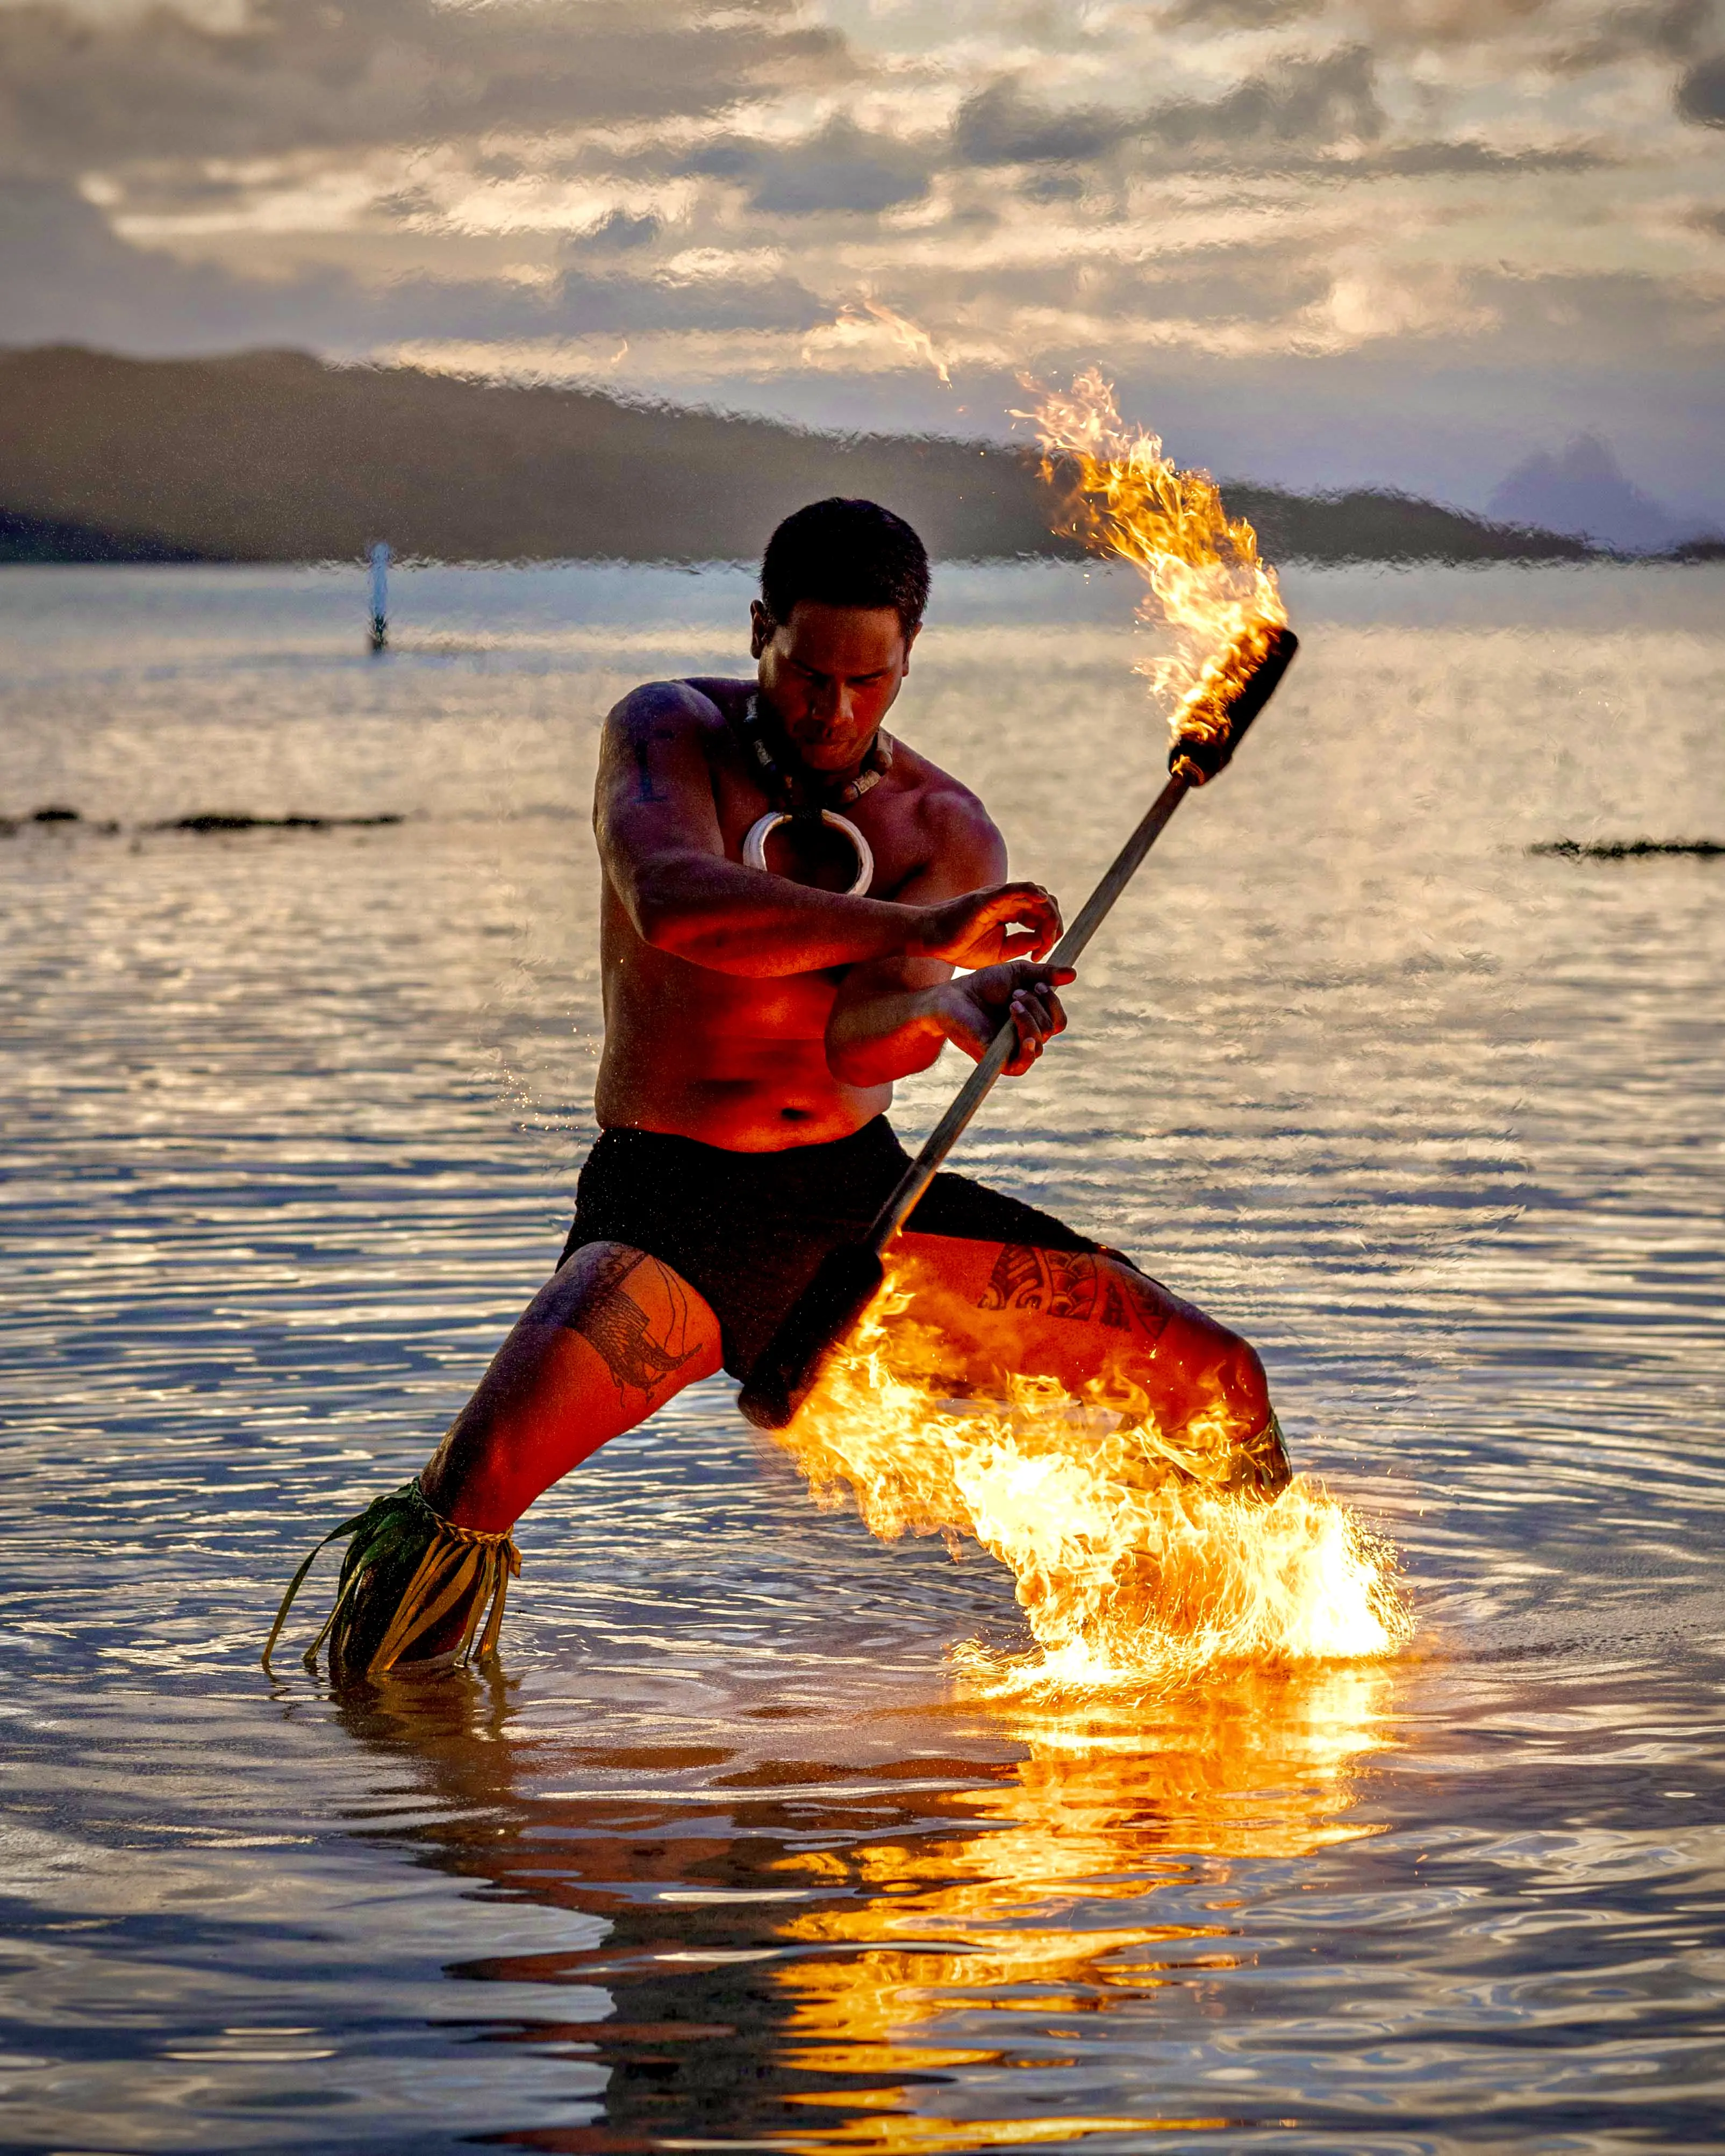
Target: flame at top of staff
<point>1208,586</point>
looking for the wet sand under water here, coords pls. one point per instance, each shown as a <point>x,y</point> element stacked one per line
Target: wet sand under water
<point>726,1854</point>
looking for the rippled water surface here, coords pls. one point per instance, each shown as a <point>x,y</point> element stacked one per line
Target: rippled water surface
<point>721,1856</point>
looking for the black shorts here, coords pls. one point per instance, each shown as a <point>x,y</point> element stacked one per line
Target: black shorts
<point>748,1229</point>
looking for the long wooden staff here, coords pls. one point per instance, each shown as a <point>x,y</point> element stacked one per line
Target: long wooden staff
<point>848,1278</point>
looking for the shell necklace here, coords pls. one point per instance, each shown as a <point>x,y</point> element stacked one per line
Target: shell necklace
<point>796,796</point>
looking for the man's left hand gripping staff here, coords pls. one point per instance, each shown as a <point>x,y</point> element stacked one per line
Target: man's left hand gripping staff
<point>979,1004</point>
<point>894,1016</point>
<point>1006,934</point>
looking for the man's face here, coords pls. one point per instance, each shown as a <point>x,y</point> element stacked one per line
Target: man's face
<point>830,675</point>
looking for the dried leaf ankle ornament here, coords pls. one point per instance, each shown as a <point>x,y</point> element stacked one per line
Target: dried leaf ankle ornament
<point>408,1570</point>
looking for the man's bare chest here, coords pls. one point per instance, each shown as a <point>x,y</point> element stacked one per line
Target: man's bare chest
<point>886,818</point>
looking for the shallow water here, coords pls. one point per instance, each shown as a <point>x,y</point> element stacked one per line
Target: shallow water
<point>723,1856</point>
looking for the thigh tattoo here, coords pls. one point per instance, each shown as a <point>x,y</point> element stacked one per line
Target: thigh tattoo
<point>1077,1284</point>
<point>612,1321</point>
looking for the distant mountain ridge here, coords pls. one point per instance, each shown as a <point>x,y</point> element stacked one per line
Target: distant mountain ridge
<point>275,456</point>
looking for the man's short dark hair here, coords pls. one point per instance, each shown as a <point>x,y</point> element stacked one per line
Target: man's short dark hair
<point>849,554</point>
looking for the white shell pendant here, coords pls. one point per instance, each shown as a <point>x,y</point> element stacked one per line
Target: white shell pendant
<point>754,846</point>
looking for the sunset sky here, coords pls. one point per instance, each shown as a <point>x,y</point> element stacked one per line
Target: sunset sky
<point>1402,242</point>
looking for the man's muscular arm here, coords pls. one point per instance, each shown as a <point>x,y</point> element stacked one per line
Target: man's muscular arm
<point>893,1016</point>
<point>659,839</point>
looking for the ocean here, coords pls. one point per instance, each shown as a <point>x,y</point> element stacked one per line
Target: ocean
<point>725,1853</point>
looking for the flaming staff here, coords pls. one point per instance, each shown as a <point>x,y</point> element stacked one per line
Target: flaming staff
<point>1232,646</point>
<point>1128,1574</point>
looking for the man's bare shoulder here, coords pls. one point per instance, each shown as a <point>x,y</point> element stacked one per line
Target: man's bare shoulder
<point>661,750</point>
<point>702,705</point>
<point>953,822</point>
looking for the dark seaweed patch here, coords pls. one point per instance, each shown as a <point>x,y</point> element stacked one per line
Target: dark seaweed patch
<point>216,821</point>
<point>1628,849</point>
<point>51,815</point>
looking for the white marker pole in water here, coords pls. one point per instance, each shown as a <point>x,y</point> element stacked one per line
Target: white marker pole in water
<point>380,596</point>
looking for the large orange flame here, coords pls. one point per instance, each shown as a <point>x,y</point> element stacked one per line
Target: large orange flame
<point>1208,588</point>
<point>1131,1570</point>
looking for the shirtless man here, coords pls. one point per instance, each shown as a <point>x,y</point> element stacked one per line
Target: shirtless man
<point>755,1024</point>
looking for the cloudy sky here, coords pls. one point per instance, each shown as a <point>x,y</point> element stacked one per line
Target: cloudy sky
<point>1392,241</point>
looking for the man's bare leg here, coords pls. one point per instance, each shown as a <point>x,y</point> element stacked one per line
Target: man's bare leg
<point>1090,1318</point>
<point>615,1334</point>
<point>609,1338</point>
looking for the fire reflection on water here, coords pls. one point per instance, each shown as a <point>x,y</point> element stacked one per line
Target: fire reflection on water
<point>907,1953</point>
<point>1112,1806</point>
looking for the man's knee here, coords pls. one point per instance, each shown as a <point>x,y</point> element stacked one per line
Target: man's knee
<point>1245,1389</point>
<point>1223,1371</point>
